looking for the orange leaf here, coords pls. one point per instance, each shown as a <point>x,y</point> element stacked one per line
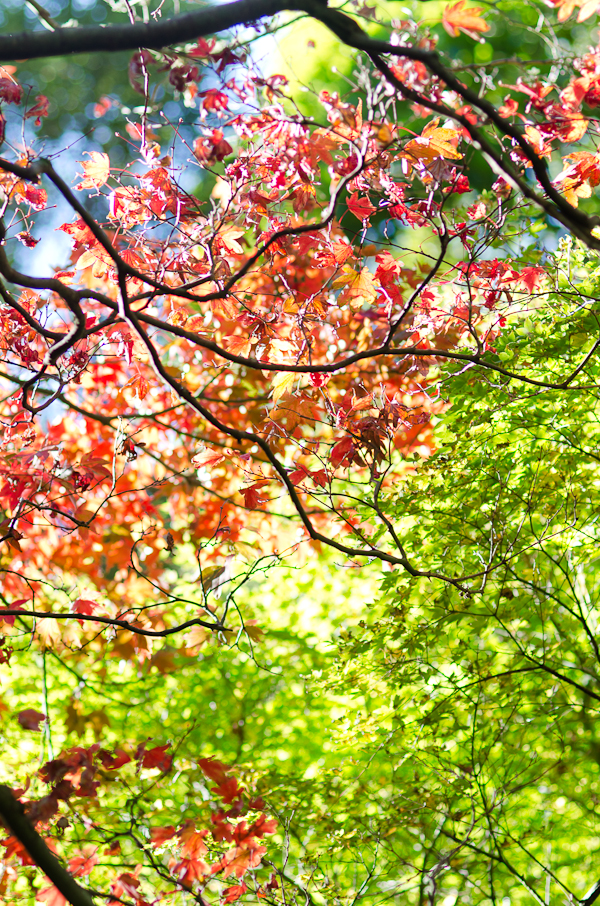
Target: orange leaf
<point>228,239</point>
<point>207,458</point>
<point>237,345</point>
<point>238,861</point>
<point>192,840</point>
<point>456,19</point>
<point>433,143</point>
<point>360,287</point>
<point>234,892</point>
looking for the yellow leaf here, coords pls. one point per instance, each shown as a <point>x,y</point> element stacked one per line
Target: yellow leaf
<point>96,170</point>
<point>282,384</point>
<point>359,287</point>
<point>210,577</point>
<point>228,239</point>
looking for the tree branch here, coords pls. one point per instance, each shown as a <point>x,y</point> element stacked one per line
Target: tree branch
<point>153,34</point>
<point>12,814</point>
<point>108,621</point>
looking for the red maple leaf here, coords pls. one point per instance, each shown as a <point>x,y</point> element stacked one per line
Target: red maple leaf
<point>10,91</point>
<point>264,825</point>
<point>14,847</point>
<point>30,719</point>
<point>188,870</point>
<point>223,830</point>
<point>238,861</point>
<point>158,758</point>
<point>112,761</point>
<point>361,207</point>
<point>39,109</point>
<point>82,862</point>
<point>228,790</point>
<point>160,835</point>
<point>81,605</point>
<point>252,496</point>
<point>213,769</point>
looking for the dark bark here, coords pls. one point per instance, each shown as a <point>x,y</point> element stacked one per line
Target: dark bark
<point>19,825</point>
<point>155,34</point>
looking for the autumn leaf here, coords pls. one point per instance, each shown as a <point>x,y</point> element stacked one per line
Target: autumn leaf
<point>39,109</point>
<point>433,142</point>
<point>341,451</point>
<point>228,239</point>
<point>252,496</point>
<point>264,825</point>
<point>10,91</point>
<point>158,758</point>
<point>160,835</point>
<point>213,769</point>
<point>238,861</point>
<point>254,632</point>
<point>588,9</point>
<point>96,171</point>
<point>237,345</point>
<point>458,17</point>
<point>360,287</point>
<point>234,892</point>
<point>113,761</point>
<point>84,606</point>
<point>30,719</point>
<point>188,870</point>
<point>531,277</point>
<point>228,790</point>
<point>83,861</point>
<point>193,841</point>
<point>361,207</point>
<point>210,576</point>
<point>51,896</point>
<point>207,458</point>
<point>196,637</point>
<point>164,660</point>
<point>283,383</point>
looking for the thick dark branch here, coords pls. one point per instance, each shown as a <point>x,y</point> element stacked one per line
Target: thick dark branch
<point>108,621</point>
<point>154,34</point>
<point>20,826</point>
<point>214,19</point>
<point>591,896</point>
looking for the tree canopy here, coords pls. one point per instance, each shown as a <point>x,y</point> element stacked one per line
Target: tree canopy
<point>299,435</point>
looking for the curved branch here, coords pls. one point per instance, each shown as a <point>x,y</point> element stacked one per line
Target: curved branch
<point>214,19</point>
<point>108,621</point>
<point>153,34</point>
